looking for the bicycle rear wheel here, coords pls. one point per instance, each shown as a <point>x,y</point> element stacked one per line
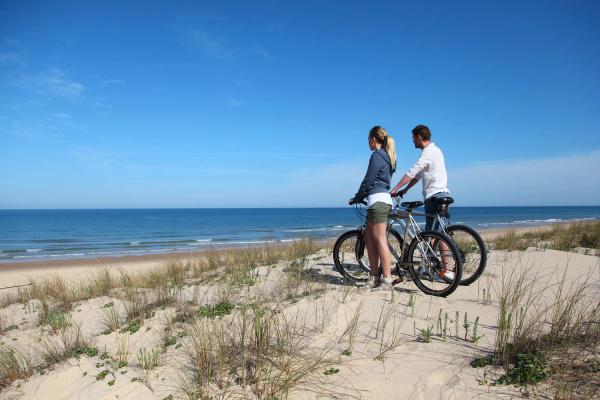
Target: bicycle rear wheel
<point>472,250</point>
<point>434,263</point>
<point>348,252</point>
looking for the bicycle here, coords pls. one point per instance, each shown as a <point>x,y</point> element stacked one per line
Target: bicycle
<point>427,257</point>
<point>472,248</point>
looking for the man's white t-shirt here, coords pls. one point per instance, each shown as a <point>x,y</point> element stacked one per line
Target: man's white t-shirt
<point>431,169</point>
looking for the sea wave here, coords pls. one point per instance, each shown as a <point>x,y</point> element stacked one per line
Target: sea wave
<point>315,229</point>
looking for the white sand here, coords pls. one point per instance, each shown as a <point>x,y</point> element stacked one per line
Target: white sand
<point>412,370</point>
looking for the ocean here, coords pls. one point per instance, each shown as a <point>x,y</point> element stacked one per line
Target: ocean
<point>33,235</point>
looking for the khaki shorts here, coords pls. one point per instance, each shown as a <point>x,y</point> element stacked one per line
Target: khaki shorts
<point>378,213</point>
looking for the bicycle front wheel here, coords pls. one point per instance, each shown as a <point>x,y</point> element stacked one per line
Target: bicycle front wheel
<point>472,251</point>
<point>434,263</point>
<point>349,252</point>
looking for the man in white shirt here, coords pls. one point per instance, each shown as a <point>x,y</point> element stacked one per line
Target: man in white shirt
<point>430,168</point>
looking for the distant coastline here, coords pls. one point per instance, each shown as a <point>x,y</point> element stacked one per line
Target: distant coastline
<point>47,236</point>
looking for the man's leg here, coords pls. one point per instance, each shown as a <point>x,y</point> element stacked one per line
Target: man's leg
<point>430,210</point>
<point>431,223</point>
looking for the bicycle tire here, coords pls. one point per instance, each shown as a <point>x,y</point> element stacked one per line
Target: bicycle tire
<point>472,268</point>
<point>432,263</point>
<point>345,256</point>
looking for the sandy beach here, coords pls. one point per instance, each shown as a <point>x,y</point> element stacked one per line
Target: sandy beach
<point>355,343</point>
<point>20,273</point>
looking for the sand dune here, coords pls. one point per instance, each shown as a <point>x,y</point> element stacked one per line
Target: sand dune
<point>368,343</point>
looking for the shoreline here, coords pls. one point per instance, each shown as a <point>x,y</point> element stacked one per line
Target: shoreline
<point>153,259</point>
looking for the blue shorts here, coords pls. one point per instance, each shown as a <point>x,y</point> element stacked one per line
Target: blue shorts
<point>431,208</point>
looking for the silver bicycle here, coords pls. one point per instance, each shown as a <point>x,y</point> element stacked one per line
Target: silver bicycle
<point>430,258</point>
<point>471,246</point>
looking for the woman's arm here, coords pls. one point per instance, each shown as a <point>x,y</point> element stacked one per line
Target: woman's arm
<point>367,181</point>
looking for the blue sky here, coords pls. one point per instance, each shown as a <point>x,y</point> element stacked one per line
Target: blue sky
<point>250,104</point>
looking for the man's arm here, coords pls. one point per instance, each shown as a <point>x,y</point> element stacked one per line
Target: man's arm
<point>413,175</point>
<point>405,179</point>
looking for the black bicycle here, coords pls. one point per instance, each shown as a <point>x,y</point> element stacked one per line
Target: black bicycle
<point>430,258</point>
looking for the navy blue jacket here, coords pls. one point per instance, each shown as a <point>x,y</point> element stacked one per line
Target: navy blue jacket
<point>378,176</point>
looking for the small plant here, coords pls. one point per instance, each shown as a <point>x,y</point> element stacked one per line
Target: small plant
<point>102,374</point>
<point>111,382</point>
<point>466,325</point>
<point>528,369</point>
<point>218,310</point>
<point>481,362</point>
<point>331,371</point>
<point>445,326</point>
<point>133,327</point>
<point>474,336</point>
<point>148,359</point>
<point>13,366</point>
<point>412,301</point>
<point>351,329</point>
<point>426,334</point>
<point>57,320</point>
<point>456,324</point>
<point>87,350</point>
<point>110,318</point>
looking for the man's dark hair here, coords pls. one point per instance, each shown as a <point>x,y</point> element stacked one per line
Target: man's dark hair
<point>423,131</point>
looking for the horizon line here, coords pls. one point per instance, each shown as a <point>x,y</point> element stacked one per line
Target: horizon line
<point>262,208</point>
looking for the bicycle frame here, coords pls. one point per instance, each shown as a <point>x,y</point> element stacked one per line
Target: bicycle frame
<point>405,219</point>
<point>411,229</point>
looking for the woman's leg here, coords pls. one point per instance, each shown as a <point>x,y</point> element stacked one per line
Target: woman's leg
<point>381,246</point>
<point>372,249</point>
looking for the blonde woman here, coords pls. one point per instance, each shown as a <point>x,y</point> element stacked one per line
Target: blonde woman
<point>374,188</point>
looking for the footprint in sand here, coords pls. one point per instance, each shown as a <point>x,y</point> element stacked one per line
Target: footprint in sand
<point>431,386</point>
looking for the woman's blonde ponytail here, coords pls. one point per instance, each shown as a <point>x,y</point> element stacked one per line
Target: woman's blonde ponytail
<point>386,141</point>
<point>390,149</point>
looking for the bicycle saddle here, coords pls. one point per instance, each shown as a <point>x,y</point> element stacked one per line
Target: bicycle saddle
<point>444,200</point>
<point>411,204</point>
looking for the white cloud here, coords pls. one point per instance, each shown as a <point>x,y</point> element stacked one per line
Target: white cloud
<point>259,49</point>
<point>561,180</point>
<point>236,103</point>
<point>61,116</point>
<point>210,46</point>
<point>56,82</point>
<point>8,57</point>
<point>112,82</point>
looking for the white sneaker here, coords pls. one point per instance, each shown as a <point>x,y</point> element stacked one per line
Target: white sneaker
<point>386,284</point>
<point>447,275</point>
<point>443,277</point>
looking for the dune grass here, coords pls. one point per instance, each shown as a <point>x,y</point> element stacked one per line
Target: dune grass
<point>142,293</point>
<point>548,333</point>
<point>256,349</point>
<point>13,365</point>
<point>561,237</point>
